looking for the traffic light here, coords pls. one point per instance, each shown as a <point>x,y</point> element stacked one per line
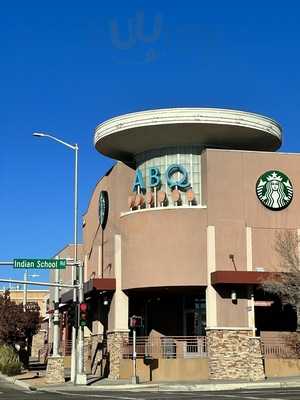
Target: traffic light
<point>83,314</point>
<point>64,319</point>
<point>72,314</point>
<point>136,322</point>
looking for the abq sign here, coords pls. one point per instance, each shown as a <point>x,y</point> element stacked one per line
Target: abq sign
<point>155,178</point>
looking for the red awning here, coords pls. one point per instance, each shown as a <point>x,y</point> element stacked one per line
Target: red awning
<point>242,277</point>
<point>107,284</point>
<point>100,284</point>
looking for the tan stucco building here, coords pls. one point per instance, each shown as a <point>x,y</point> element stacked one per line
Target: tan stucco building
<point>181,231</point>
<point>41,297</point>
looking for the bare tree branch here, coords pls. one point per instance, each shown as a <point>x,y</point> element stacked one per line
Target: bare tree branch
<point>287,285</point>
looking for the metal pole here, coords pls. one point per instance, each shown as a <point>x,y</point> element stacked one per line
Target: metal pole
<point>76,205</point>
<point>253,313</point>
<point>39,283</point>
<point>134,380</point>
<point>81,328</point>
<point>25,290</point>
<point>56,317</point>
<point>74,269</point>
<point>74,277</point>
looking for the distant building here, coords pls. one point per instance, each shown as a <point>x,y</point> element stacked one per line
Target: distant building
<point>33,296</point>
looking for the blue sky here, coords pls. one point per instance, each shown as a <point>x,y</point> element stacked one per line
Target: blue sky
<point>68,65</point>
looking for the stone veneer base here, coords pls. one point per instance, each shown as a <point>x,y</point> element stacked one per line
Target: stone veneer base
<point>234,354</point>
<point>55,373</point>
<point>115,341</point>
<point>38,341</point>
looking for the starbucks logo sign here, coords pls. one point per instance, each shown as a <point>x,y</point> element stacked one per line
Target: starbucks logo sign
<point>274,190</point>
<point>103,208</point>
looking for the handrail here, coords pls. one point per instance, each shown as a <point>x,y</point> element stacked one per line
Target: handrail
<point>166,347</point>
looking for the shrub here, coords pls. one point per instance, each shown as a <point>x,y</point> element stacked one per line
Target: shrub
<point>9,361</point>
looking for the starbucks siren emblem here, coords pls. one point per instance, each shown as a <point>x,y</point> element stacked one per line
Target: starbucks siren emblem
<point>274,190</point>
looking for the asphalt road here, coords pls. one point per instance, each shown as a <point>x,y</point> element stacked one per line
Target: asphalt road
<point>11,392</point>
<point>292,394</point>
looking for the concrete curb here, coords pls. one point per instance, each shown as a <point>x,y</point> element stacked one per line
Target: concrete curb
<point>206,387</point>
<point>17,382</point>
<point>106,387</point>
<point>158,387</point>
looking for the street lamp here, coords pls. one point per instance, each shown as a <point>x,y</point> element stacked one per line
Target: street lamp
<point>74,277</point>
<point>26,276</point>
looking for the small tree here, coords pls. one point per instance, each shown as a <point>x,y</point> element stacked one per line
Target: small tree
<point>286,285</point>
<point>16,325</point>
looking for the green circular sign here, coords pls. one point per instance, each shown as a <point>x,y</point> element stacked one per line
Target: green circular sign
<point>274,189</point>
<point>103,208</point>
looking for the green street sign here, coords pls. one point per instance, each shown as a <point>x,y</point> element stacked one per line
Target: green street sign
<point>39,263</point>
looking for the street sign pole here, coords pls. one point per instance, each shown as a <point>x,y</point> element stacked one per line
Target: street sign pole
<point>25,290</point>
<point>51,284</point>
<point>56,335</point>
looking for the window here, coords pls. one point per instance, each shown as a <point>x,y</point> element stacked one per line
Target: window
<point>188,157</point>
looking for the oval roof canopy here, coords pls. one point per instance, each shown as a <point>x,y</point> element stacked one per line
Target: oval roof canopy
<point>124,136</point>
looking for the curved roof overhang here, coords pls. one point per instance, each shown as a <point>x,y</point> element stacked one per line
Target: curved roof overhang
<point>125,136</point>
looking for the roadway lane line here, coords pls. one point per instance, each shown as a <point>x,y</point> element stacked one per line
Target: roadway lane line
<point>102,396</point>
<point>232,396</point>
<point>266,391</point>
<point>259,398</point>
<point>238,396</point>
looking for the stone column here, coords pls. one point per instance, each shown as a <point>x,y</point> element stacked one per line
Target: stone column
<point>87,353</point>
<point>118,317</point>
<point>115,342</point>
<point>234,354</point>
<point>55,373</point>
<point>38,341</point>
<point>256,367</point>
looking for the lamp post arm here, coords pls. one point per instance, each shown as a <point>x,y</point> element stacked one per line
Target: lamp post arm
<point>73,147</point>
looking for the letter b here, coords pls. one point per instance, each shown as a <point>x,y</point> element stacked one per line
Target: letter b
<point>154,175</point>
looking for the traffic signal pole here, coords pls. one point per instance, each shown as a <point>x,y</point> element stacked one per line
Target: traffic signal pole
<point>56,335</point>
<point>135,322</point>
<point>76,266</point>
<point>25,290</point>
<point>134,378</point>
<point>81,377</point>
<point>74,333</point>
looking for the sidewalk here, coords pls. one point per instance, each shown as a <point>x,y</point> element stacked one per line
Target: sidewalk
<point>35,380</point>
<point>185,386</point>
<point>207,386</point>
